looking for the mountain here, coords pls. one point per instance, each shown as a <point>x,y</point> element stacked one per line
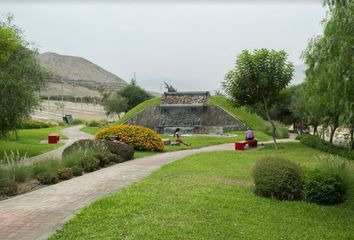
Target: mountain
<point>76,76</point>
<point>299,74</point>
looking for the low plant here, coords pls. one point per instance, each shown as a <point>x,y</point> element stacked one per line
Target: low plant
<point>90,164</point>
<point>119,148</point>
<point>36,124</point>
<point>65,173</point>
<point>278,178</point>
<point>324,187</point>
<point>318,143</point>
<point>47,178</point>
<point>47,166</point>
<point>12,167</point>
<point>76,170</point>
<point>84,144</point>
<point>141,138</point>
<point>102,158</point>
<point>73,157</point>
<point>8,187</point>
<point>114,158</point>
<point>95,123</point>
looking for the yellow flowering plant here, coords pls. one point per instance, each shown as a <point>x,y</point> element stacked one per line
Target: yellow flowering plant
<point>141,138</point>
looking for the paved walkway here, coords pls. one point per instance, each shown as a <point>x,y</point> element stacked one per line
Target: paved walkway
<point>35,215</point>
<point>73,133</point>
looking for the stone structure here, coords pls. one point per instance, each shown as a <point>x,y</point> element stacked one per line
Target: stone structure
<point>190,112</point>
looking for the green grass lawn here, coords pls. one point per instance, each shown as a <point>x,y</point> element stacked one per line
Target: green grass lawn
<point>90,130</point>
<point>209,196</point>
<point>29,142</point>
<point>199,141</point>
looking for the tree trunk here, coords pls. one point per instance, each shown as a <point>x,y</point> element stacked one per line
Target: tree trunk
<point>16,134</point>
<point>333,130</point>
<point>271,122</point>
<point>315,132</point>
<point>351,145</point>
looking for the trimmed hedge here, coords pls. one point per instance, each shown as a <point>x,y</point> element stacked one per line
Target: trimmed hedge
<point>279,178</point>
<point>324,187</point>
<point>140,138</point>
<point>320,144</point>
<point>35,124</point>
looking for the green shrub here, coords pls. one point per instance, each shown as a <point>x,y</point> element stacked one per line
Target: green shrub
<point>102,158</point>
<point>12,167</point>
<point>47,178</point>
<point>119,148</point>
<point>77,170</point>
<point>90,163</point>
<point>49,166</point>
<point>8,187</point>
<point>77,121</point>
<point>84,144</point>
<point>280,132</point>
<point>114,158</point>
<point>35,124</point>
<point>324,187</point>
<point>318,143</point>
<point>65,173</point>
<point>278,178</point>
<point>95,123</point>
<point>73,157</point>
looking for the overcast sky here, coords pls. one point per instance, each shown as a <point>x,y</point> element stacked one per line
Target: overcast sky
<point>189,45</point>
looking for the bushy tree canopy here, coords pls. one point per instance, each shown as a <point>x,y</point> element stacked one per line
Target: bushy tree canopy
<point>257,78</point>
<point>21,77</point>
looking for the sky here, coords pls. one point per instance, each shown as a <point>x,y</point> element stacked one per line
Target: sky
<point>189,44</point>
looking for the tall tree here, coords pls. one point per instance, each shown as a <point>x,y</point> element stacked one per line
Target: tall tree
<point>115,103</point>
<point>257,78</point>
<point>330,71</point>
<point>134,94</point>
<point>21,77</point>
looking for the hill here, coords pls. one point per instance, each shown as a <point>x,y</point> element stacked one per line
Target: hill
<point>76,76</point>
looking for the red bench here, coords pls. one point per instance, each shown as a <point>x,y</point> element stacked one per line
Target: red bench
<point>53,138</point>
<point>241,145</point>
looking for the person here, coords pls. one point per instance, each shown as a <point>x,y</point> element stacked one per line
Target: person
<point>249,134</point>
<point>178,138</point>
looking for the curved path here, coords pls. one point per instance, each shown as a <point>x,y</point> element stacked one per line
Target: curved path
<point>35,215</point>
<point>73,134</point>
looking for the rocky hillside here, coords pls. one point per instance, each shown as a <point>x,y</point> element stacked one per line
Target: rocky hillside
<point>76,76</point>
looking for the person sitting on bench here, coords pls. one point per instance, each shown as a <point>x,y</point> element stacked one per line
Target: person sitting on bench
<point>178,138</point>
<point>249,134</point>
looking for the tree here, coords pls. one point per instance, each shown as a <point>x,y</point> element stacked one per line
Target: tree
<point>115,103</point>
<point>257,78</point>
<point>21,77</point>
<point>134,94</point>
<point>329,75</point>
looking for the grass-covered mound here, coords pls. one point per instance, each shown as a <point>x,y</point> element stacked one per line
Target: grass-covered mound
<point>137,109</point>
<point>210,196</point>
<point>250,119</point>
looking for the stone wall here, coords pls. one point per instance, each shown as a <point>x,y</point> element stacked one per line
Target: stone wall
<point>185,98</point>
<point>191,119</point>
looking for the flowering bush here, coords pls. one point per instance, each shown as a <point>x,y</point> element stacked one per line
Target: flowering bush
<point>140,138</point>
